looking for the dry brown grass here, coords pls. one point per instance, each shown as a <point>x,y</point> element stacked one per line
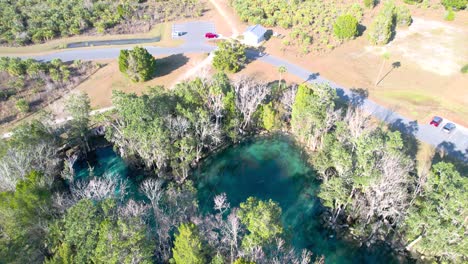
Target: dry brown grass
<point>100,86</point>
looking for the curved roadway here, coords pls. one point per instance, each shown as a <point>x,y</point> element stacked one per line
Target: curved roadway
<point>456,143</point>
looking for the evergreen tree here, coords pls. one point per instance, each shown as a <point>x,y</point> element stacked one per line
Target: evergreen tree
<point>188,246</point>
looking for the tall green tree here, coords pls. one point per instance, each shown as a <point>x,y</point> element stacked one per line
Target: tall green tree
<point>24,216</point>
<point>79,108</point>
<point>188,246</point>
<point>230,56</point>
<point>437,225</point>
<point>262,219</point>
<point>138,64</point>
<point>93,232</point>
<point>312,109</point>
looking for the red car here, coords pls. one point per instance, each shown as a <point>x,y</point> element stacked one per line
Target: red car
<point>436,121</point>
<point>211,35</point>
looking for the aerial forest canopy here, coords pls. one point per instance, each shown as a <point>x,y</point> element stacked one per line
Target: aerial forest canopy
<point>35,21</point>
<point>368,182</point>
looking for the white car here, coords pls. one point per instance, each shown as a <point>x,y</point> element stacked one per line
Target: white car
<point>176,34</point>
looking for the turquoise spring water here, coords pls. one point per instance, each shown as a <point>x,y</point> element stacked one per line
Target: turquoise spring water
<point>269,168</point>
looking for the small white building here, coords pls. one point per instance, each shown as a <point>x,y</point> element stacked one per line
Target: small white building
<point>254,35</point>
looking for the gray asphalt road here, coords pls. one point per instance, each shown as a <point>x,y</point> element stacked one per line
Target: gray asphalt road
<point>456,143</point>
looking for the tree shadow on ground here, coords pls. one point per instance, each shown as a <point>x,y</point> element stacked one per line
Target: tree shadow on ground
<point>361,29</point>
<point>355,97</point>
<point>447,152</point>
<point>408,134</point>
<point>358,96</point>
<point>167,65</point>
<point>312,77</point>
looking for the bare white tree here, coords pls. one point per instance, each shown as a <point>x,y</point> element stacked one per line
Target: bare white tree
<point>249,95</point>
<point>99,188</point>
<point>288,97</point>
<point>387,199</point>
<point>358,121</point>
<point>133,209</point>
<point>17,163</point>
<point>220,203</point>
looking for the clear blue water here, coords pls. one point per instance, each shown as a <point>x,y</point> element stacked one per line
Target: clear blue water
<point>270,168</point>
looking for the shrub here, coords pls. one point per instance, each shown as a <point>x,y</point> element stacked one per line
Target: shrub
<point>345,27</point>
<point>22,105</point>
<point>380,30</point>
<point>369,3</point>
<point>403,16</point>
<point>464,69</point>
<point>455,4</point>
<point>449,15</point>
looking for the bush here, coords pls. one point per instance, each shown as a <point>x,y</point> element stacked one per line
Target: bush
<point>380,30</point>
<point>369,3</point>
<point>230,56</point>
<point>345,27</point>
<point>403,16</point>
<point>464,69</point>
<point>450,15</point>
<point>22,105</point>
<point>455,4</point>
<point>138,64</point>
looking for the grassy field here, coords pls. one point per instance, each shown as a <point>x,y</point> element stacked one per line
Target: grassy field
<point>162,30</point>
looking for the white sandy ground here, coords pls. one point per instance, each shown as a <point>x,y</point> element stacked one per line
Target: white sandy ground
<point>435,46</point>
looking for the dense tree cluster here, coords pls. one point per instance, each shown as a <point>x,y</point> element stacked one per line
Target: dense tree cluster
<point>383,27</point>
<point>230,56</point>
<point>33,21</point>
<point>455,4</point>
<point>138,64</point>
<point>368,182</point>
<point>311,21</point>
<point>23,82</point>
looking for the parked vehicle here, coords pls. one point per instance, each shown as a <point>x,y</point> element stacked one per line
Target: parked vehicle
<point>436,121</point>
<point>449,127</point>
<point>177,33</point>
<point>211,35</point>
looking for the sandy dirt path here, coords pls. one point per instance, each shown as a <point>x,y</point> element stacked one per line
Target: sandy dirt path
<point>229,20</point>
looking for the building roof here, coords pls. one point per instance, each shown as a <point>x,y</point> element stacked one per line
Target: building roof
<point>257,30</point>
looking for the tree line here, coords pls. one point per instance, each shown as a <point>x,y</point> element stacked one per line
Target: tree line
<point>35,21</point>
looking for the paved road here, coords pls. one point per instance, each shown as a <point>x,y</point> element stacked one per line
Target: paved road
<point>455,143</point>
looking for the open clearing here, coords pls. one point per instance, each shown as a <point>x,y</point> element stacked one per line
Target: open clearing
<point>422,76</point>
<point>434,46</point>
<point>99,86</point>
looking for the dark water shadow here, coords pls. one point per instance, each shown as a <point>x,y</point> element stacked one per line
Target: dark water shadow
<point>166,65</point>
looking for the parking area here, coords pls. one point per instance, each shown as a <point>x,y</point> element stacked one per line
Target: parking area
<point>193,32</point>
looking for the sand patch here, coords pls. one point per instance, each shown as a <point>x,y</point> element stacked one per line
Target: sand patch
<point>434,46</point>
